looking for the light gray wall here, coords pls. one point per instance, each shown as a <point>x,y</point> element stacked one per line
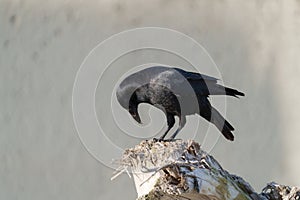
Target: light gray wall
<point>42,44</point>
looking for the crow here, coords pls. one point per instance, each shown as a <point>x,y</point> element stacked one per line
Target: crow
<point>177,93</point>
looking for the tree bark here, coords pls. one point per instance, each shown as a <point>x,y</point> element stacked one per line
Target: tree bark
<point>165,170</point>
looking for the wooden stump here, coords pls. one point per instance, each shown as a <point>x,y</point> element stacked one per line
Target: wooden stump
<point>180,170</point>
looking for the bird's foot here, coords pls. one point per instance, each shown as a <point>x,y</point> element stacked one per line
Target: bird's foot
<point>164,140</point>
<point>157,139</point>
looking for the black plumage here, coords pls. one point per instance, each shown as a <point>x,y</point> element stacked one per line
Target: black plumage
<point>177,93</point>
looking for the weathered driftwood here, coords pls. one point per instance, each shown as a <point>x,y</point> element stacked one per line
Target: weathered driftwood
<point>165,170</point>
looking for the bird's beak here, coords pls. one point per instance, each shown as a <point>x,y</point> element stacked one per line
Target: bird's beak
<point>136,117</point>
<point>134,113</point>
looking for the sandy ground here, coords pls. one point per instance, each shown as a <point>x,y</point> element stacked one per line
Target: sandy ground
<point>42,44</point>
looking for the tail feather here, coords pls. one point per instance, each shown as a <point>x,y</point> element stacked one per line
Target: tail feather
<point>222,124</point>
<point>216,89</point>
<point>212,115</point>
<point>227,131</point>
<point>233,92</point>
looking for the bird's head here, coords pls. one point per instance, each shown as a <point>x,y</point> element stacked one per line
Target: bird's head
<point>124,93</point>
<point>127,98</point>
<point>133,109</point>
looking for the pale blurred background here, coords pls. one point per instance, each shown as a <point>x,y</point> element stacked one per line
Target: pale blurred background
<point>256,45</point>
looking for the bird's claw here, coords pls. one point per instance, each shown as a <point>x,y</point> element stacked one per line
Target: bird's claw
<point>157,139</point>
<point>164,140</point>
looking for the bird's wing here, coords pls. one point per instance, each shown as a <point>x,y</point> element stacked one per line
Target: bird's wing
<point>204,85</point>
<point>196,76</point>
<point>175,81</point>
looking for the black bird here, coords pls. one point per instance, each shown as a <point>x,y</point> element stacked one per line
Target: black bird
<point>177,93</point>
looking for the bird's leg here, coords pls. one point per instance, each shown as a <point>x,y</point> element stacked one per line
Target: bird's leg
<point>165,134</point>
<point>171,122</point>
<point>182,121</point>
